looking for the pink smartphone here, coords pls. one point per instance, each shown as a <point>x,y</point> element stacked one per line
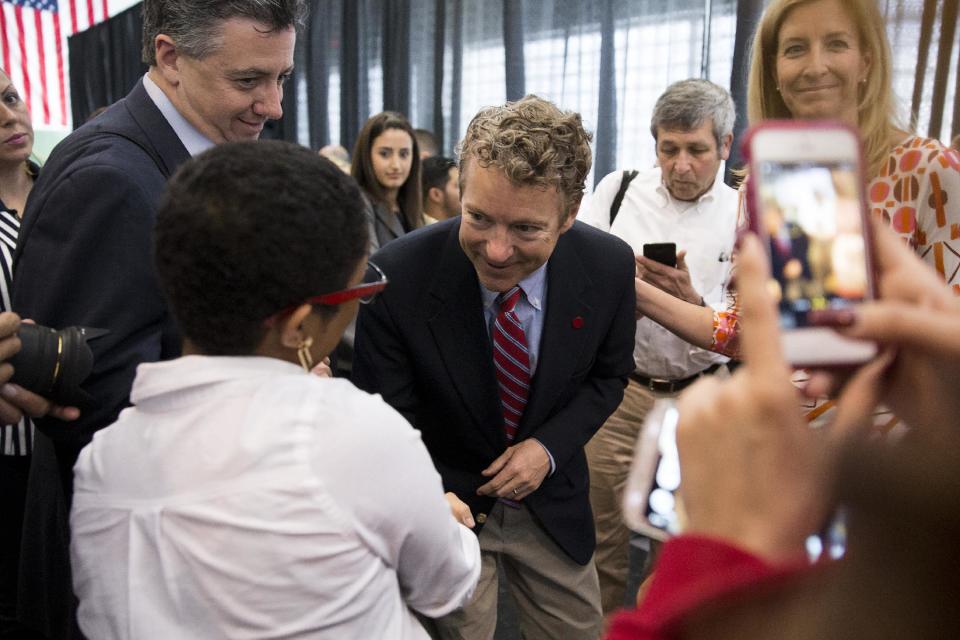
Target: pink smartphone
<point>806,201</point>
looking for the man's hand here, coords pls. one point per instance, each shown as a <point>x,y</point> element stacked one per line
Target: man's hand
<point>15,401</point>
<point>459,509</point>
<point>675,281</point>
<point>518,471</point>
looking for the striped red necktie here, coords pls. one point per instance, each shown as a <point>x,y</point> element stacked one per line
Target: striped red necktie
<point>511,359</point>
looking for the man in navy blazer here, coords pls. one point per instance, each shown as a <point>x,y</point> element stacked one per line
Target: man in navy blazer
<point>216,74</point>
<point>428,345</point>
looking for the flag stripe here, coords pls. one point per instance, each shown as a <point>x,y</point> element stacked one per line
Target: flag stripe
<point>25,87</point>
<point>41,58</point>
<point>61,82</point>
<point>73,16</point>
<point>3,37</point>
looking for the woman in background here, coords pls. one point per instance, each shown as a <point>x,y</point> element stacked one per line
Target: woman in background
<point>830,59</point>
<point>386,164</point>
<point>17,174</point>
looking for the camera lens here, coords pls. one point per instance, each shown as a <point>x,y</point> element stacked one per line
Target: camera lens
<point>55,363</point>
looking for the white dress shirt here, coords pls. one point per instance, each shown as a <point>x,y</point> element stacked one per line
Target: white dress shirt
<point>707,229</point>
<point>242,498</point>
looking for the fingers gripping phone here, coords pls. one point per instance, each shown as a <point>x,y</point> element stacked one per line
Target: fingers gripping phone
<point>806,202</point>
<point>662,252</point>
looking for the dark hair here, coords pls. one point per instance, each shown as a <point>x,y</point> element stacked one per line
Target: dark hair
<point>194,25</point>
<point>435,173</point>
<point>247,229</point>
<point>362,166</point>
<point>427,141</point>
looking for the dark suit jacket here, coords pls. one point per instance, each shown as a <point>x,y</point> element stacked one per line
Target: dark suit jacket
<point>424,346</point>
<point>85,257</point>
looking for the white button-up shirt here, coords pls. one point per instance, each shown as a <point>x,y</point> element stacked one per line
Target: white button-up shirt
<point>706,228</point>
<point>243,498</point>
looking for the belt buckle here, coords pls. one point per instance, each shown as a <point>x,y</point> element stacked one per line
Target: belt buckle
<point>660,385</point>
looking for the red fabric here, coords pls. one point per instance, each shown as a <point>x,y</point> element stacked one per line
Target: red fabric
<point>692,571</point>
<point>511,359</point>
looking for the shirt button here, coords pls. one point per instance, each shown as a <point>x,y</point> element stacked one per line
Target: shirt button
<point>481,518</point>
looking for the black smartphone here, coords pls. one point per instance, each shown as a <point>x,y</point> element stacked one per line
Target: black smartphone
<point>662,252</point>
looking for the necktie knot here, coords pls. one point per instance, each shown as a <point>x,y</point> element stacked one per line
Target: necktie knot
<point>508,299</point>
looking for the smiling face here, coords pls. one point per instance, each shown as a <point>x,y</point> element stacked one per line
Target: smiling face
<point>391,155</point>
<point>689,160</point>
<point>231,93</point>
<point>820,63</point>
<point>16,130</point>
<point>508,231</point>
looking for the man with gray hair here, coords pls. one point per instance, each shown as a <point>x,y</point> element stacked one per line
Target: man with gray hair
<point>84,256</point>
<point>684,202</point>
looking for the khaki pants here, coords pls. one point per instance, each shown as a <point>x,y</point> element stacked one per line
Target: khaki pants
<point>609,453</point>
<point>556,598</point>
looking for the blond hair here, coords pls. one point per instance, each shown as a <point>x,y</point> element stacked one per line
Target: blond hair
<point>876,109</point>
<point>534,143</point>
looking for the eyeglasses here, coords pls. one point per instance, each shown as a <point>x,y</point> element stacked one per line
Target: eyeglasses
<point>374,281</point>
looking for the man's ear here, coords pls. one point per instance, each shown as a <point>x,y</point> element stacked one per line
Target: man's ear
<point>571,218</point>
<point>168,59</point>
<point>435,195</point>
<point>725,147</point>
<point>291,328</point>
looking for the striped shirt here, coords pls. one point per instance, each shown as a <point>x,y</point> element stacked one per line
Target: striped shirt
<point>15,439</point>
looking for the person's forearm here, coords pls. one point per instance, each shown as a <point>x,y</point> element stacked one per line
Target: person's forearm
<point>690,322</point>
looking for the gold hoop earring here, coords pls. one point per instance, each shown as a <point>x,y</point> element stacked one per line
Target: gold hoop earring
<point>303,353</point>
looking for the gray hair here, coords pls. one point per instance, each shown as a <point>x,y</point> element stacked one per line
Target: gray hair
<point>194,25</point>
<point>687,104</point>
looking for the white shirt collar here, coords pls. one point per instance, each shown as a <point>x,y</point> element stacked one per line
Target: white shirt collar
<point>532,287</point>
<point>194,141</point>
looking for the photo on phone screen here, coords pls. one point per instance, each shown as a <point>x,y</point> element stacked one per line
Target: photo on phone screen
<point>811,214</point>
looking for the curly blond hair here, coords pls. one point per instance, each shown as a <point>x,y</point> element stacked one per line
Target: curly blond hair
<point>534,143</point>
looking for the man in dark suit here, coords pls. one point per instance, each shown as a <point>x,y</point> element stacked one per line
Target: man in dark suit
<point>506,338</point>
<point>216,74</point>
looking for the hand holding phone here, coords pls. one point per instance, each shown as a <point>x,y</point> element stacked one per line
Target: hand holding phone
<point>807,204</point>
<point>666,269</point>
<point>743,466</point>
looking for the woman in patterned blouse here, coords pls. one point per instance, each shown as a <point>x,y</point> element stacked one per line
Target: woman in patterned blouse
<point>827,59</point>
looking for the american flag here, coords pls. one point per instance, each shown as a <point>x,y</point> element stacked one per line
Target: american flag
<point>34,51</point>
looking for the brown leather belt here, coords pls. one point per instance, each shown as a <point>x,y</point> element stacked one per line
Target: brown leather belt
<point>671,386</point>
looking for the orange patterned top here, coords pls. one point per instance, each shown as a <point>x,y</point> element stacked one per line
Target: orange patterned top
<point>918,194</point>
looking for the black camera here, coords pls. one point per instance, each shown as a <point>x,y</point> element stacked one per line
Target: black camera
<point>55,363</point>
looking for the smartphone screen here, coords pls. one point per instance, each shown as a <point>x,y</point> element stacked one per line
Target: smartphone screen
<point>811,214</point>
<point>663,252</point>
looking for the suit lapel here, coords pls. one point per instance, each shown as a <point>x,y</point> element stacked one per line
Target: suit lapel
<point>389,221</point>
<point>564,336</point>
<point>167,148</point>
<point>455,318</point>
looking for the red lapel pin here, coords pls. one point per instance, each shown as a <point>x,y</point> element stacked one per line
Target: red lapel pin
<point>577,322</point>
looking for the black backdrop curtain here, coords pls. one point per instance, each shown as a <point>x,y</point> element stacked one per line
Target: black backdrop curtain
<point>104,63</point>
<point>438,61</point>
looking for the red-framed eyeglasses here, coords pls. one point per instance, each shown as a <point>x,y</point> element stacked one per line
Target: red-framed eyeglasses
<point>374,281</point>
